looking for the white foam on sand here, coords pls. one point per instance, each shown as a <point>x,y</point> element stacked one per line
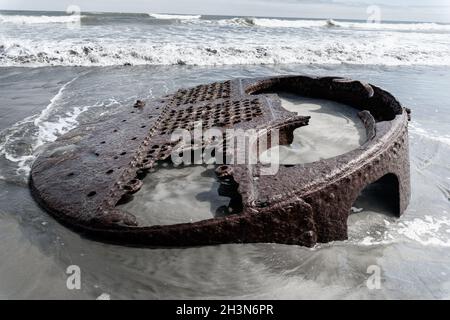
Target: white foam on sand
<point>38,130</point>
<point>104,296</point>
<point>429,231</point>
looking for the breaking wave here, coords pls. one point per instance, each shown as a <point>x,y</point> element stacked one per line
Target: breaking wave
<point>21,19</point>
<point>108,39</point>
<point>174,16</point>
<point>432,27</point>
<point>17,52</point>
<point>279,23</point>
<point>90,18</point>
<point>330,23</point>
<point>238,21</point>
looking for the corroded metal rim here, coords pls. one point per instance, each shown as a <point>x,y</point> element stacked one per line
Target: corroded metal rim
<point>82,176</point>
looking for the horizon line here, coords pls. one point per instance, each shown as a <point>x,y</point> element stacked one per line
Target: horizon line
<point>219,15</point>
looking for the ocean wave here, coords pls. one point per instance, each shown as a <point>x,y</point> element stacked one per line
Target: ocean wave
<point>110,18</point>
<point>21,19</point>
<point>30,53</point>
<point>330,23</point>
<point>281,23</point>
<point>238,21</point>
<point>174,16</point>
<point>394,26</point>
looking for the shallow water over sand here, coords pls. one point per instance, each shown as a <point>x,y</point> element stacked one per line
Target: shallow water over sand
<point>177,195</point>
<point>333,129</point>
<point>35,250</point>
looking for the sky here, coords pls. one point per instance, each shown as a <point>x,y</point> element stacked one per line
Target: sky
<point>396,10</point>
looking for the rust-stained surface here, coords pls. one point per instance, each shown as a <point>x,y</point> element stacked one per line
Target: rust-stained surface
<point>81,177</point>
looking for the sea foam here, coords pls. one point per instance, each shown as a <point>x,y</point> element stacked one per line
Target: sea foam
<point>174,16</point>
<point>22,19</point>
<point>330,23</point>
<point>15,52</point>
<point>165,39</point>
